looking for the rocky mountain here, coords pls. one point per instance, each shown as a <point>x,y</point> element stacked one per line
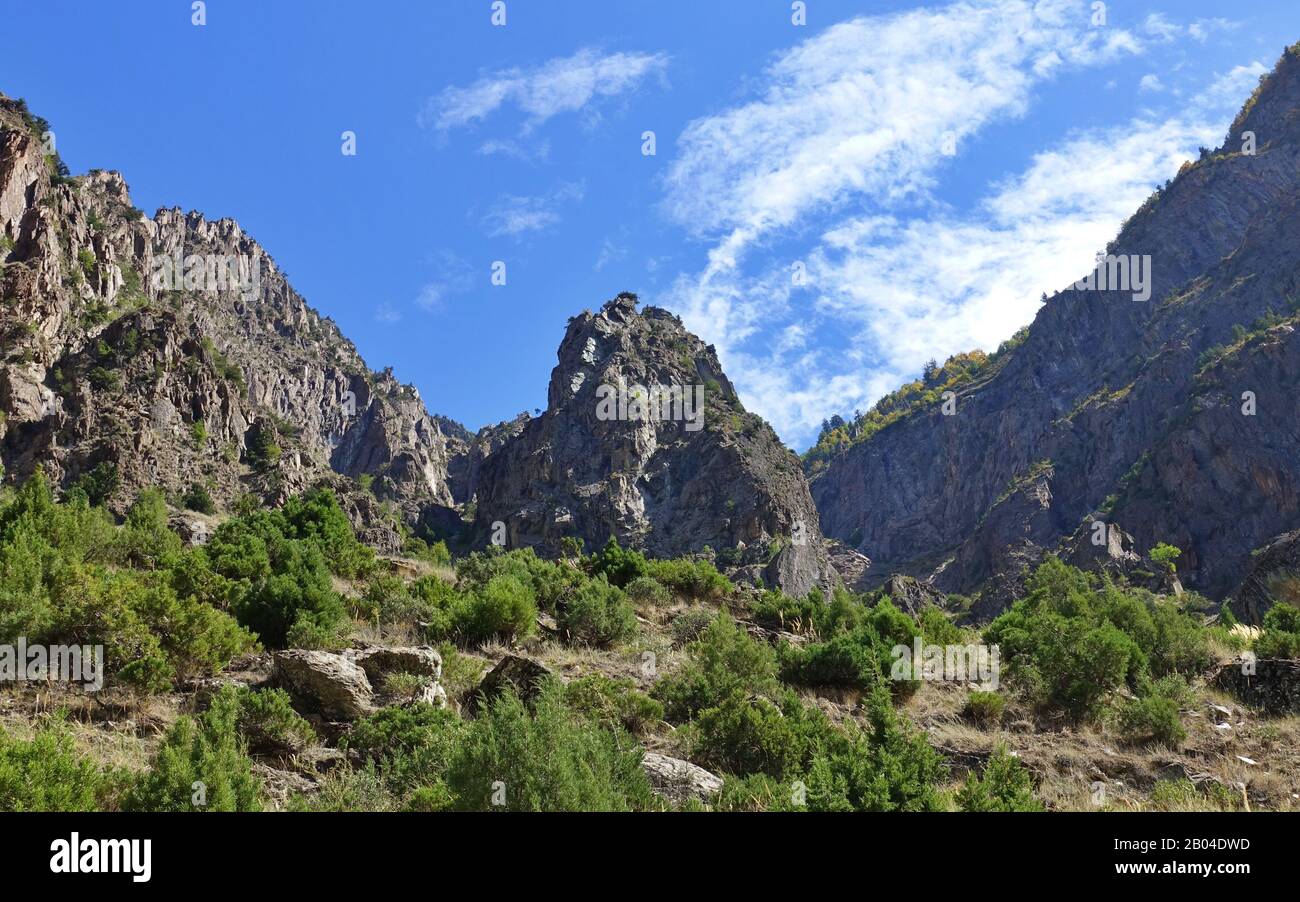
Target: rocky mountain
<point>1171,419</point>
<point>175,350</point>
<point>697,470</point>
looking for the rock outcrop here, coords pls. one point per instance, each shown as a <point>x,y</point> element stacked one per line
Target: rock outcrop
<point>645,439</point>
<point>353,683</point>
<point>1274,577</point>
<point>1270,684</point>
<point>1171,418</point>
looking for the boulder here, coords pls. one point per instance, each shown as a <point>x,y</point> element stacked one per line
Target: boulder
<point>911,595</point>
<point>524,675</point>
<point>1273,687</point>
<point>379,660</point>
<point>325,683</point>
<point>678,781</point>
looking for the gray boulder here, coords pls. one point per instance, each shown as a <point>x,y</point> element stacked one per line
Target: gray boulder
<point>678,781</point>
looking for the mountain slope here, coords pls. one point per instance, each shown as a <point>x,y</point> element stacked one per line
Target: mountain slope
<point>1103,411</point>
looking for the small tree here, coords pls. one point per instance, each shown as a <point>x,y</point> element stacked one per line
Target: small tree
<point>1165,555</point>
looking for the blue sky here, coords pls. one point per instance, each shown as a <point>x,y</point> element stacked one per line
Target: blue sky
<point>926,170</point>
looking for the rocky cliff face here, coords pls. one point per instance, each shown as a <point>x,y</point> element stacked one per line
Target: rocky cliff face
<point>164,346</point>
<point>1113,409</point>
<point>658,474</point>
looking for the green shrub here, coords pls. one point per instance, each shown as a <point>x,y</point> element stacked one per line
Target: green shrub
<point>858,659</point>
<point>761,792</point>
<point>725,659</point>
<point>698,580</point>
<point>811,615</point>
<point>1165,555</point>
<point>888,767</point>
<point>1154,716</point>
<point>598,614</point>
<point>937,628</point>
<point>281,563</point>
<point>1072,644</point>
<point>200,765</point>
<point>98,484</point>
<point>549,759</point>
<point>548,581</point>
<point>1005,785</point>
<point>1281,636</point>
<point>613,702</point>
<point>347,788</point>
<point>145,540</point>
<point>411,748</point>
<point>690,625</point>
<point>502,609</point>
<point>619,565</point>
<point>198,498</point>
<point>645,590</point>
<point>262,445</point>
<point>270,725</point>
<point>316,517</point>
<point>748,735</point>
<point>984,708</point>
<point>47,773</point>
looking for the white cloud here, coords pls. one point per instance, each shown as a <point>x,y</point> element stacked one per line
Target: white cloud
<point>1158,26</point>
<point>866,108</point>
<point>387,313</point>
<point>560,85</point>
<point>610,252</point>
<point>905,290</point>
<point>513,215</point>
<point>1231,89</point>
<point>521,150</point>
<point>849,135</point>
<point>453,275</point>
<point>1150,82</point>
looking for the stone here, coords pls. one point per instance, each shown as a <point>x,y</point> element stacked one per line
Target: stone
<point>524,675</point>
<point>677,781</point>
<point>324,683</point>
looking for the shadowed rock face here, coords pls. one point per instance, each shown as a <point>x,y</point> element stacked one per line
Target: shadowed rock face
<point>716,476</point>
<point>1274,577</point>
<point>1108,409</point>
<point>102,358</point>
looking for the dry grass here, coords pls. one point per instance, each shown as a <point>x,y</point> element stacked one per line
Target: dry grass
<point>1069,762</point>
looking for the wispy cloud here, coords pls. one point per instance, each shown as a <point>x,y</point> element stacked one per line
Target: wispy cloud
<point>1159,27</point>
<point>561,85</point>
<point>852,135</point>
<point>610,252</point>
<point>387,313</point>
<point>513,215</point>
<point>452,275</point>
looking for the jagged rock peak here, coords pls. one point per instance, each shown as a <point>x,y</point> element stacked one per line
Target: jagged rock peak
<point>644,438</point>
